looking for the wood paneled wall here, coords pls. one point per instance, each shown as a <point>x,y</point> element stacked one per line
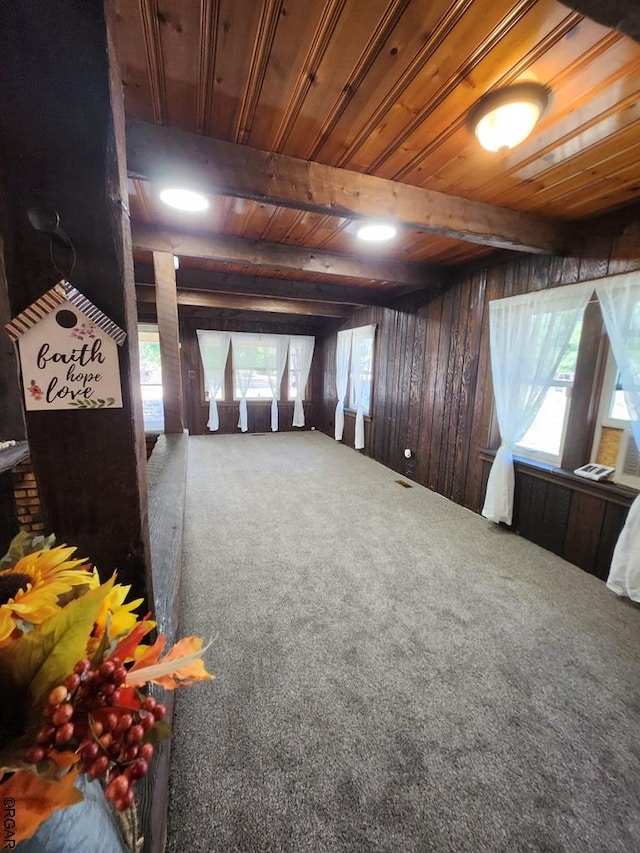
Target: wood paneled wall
<point>432,381</point>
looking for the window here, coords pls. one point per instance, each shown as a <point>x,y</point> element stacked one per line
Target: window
<point>300,355</point>
<point>614,443</point>
<point>354,372</point>
<point>584,415</point>
<point>150,377</point>
<point>613,408</point>
<point>361,368</point>
<point>260,367</point>
<point>628,461</point>
<point>257,361</point>
<point>214,351</point>
<point>545,437</point>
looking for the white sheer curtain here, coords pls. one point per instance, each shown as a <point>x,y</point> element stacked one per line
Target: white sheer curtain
<point>619,298</point>
<point>361,371</point>
<point>275,358</point>
<point>214,351</point>
<point>300,357</point>
<point>242,364</point>
<point>343,352</point>
<point>528,335</point>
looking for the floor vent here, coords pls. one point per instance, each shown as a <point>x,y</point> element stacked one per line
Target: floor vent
<point>257,433</point>
<point>405,485</point>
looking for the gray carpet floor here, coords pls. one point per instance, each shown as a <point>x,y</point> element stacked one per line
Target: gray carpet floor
<point>394,673</point>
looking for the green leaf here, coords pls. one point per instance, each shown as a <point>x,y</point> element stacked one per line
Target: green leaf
<point>43,658</point>
<point>103,647</point>
<point>158,731</point>
<point>22,544</point>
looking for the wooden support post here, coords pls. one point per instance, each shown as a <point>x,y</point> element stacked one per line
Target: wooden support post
<point>167,313</point>
<point>62,145</point>
<point>12,425</point>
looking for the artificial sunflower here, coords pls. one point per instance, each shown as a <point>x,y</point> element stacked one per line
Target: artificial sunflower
<point>116,617</point>
<point>33,589</point>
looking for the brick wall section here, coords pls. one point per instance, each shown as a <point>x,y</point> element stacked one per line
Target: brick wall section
<point>25,490</point>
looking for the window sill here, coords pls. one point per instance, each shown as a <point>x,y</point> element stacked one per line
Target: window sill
<point>261,402</point>
<point>605,489</point>
<point>352,414</point>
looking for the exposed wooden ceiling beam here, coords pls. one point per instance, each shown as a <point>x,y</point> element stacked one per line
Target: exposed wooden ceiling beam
<point>623,15</point>
<point>160,154</point>
<point>202,299</point>
<point>255,254</point>
<point>254,285</point>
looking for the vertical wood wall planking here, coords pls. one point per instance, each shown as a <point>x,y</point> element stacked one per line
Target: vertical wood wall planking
<point>414,408</point>
<point>449,398</point>
<point>440,366</point>
<point>409,317</point>
<point>475,480</point>
<point>393,388</point>
<point>614,518</point>
<point>458,392</point>
<point>555,517</point>
<point>432,342</point>
<point>12,425</point>
<point>583,530</point>
<point>433,390</point>
<point>469,435</point>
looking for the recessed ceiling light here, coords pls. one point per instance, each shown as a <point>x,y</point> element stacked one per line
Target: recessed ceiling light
<point>376,232</point>
<point>184,200</point>
<point>505,117</point>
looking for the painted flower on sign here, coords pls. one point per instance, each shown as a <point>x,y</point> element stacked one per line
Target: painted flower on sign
<point>84,330</point>
<point>35,390</point>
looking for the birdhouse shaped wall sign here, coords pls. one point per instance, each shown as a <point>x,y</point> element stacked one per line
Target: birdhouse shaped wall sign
<point>68,352</point>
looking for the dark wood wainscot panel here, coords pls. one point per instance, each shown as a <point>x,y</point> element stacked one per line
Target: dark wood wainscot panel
<point>576,519</point>
<point>258,417</point>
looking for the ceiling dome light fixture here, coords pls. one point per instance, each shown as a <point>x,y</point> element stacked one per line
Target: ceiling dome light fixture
<point>505,117</point>
<point>184,199</point>
<point>376,232</point>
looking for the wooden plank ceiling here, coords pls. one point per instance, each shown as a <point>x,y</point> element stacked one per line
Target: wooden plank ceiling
<point>299,119</point>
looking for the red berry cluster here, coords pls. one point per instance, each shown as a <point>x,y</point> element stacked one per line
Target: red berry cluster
<point>84,714</point>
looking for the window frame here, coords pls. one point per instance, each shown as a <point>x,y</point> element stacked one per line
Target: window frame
<point>348,405</point>
<point>285,390</point>
<point>605,421</point>
<point>144,330</point>
<point>609,383</point>
<point>541,455</point>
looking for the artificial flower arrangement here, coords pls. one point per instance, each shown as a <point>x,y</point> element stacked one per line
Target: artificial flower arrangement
<point>73,677</point>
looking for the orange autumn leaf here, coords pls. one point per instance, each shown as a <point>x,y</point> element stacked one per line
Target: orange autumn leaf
<point>182,665</point>
<point>35,798</point>
<point>148,655</point>
<point>126,647</point>
<point>64,760</point>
